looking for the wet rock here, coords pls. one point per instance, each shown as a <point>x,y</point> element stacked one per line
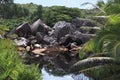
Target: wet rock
<point>62,28</point>
<point>78,22</point>
<point>39,26</point>
<point>22,31</point>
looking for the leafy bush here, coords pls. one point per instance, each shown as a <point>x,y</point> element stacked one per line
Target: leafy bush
<point>11,66</point>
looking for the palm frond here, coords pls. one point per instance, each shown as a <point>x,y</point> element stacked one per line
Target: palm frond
<point>102,72</point>
<point>92,62</point>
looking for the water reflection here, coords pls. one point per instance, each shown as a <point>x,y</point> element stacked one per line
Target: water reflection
<point>81,77</point>
<point>48,76</point>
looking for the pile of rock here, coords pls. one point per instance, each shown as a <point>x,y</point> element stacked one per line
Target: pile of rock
<point>57,45</point>
<point>68,34</point>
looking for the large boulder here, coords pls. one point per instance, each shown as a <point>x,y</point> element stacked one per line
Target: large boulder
<point>39,26</point>
<point>22,31</point>
<point>77,37</point>
<point>62,28</point>
<point>78,22</point>
<point>80,37</point>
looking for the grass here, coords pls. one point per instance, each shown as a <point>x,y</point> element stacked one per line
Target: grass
<point>11,66</point>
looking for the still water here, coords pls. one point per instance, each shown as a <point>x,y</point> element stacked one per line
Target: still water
<point>48,76</point>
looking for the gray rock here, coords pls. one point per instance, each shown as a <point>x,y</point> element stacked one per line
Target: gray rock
<point>39,37</point>
<point>62,28</point>
<point>39,26</point>
<point>66,40</point>
<point>37,46</point>
<point>78,22</point>
<point>1,36</point>
<point>50,40</point>
<point>42,39</point>
<point>77,37</point>
<point>22,31</point>
<point>80,37</point>
<point>21,41</point>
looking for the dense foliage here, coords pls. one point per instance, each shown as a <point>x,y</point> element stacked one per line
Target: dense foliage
<point>104,48</point>
<point>50,15</point>
<point>105,44</point>
<point>11,66</point>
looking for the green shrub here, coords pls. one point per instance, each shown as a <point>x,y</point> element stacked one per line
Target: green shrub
<point>11,66</point>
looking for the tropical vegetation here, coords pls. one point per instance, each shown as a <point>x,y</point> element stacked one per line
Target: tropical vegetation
<point>100,57</point>
<point>12,67</point>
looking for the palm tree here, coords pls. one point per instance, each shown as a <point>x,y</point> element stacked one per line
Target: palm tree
<point>100,57</point>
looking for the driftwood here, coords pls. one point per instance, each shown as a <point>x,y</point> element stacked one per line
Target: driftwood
<point>48,51</point>
<point>45,51</point>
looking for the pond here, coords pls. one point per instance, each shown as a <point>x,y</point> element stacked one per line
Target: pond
<point>56,66</point>
<point>48,76</point>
